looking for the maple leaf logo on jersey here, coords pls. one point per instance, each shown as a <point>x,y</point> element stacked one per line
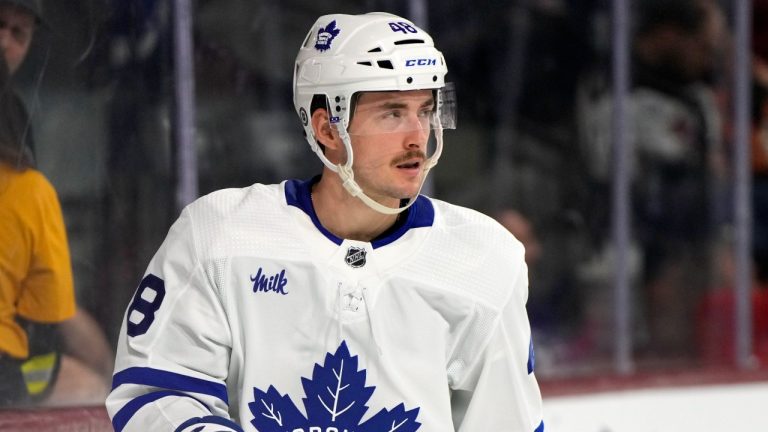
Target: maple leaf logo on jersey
<point>325,36</point>
<point>335,402</point>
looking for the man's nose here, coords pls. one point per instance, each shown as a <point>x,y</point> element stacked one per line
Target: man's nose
<point>418,134</point>
<point>414,140</point>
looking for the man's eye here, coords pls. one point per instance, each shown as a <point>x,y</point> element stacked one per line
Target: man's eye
<point>392,115</point>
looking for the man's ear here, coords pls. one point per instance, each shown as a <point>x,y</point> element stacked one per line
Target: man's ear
<point>324,133</point>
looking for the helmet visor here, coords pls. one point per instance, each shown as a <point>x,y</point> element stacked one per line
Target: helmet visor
<point>403,112</point>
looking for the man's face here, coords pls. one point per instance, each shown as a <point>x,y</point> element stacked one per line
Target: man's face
<point>389,133</point>
<point>17,25</point>
<point>696,55</point>
<point>708,44</point>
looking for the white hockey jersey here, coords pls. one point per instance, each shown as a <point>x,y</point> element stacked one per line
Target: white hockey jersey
<point>251,315</point>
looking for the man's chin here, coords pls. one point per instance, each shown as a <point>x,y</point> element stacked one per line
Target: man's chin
<point>412,191</point>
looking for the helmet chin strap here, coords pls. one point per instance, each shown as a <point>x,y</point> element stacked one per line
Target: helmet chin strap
<point>348,176</point>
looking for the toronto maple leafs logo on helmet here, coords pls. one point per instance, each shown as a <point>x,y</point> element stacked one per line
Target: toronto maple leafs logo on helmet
<point>335,401</point>
<point>325,36</point>
<point>355,257</point>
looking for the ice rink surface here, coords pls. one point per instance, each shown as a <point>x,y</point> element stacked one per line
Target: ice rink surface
<point>739,407</point>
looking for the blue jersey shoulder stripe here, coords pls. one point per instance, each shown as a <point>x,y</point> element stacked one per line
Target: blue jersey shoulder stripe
<point>169,380</point>
<point>128,410</point>
<point>540,428</point>
<point>208,420</point>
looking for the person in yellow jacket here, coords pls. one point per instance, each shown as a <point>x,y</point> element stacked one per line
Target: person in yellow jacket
<point>35,275</point>
<point>50,352</point>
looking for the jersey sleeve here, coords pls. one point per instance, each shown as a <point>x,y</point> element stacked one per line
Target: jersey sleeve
<point>174,347</point>
<point>500,391</point>
<point>47,291</point>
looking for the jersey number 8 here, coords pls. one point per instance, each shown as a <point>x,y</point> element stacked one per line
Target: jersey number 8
<point>145,306</point>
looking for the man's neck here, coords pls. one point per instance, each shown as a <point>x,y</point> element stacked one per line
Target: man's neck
<point>346,216</point>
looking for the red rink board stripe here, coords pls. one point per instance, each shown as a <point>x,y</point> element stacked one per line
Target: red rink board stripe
<point>645,380</point>
<point>81,419</point>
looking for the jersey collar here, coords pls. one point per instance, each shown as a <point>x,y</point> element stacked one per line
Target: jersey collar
<point>421,214</point>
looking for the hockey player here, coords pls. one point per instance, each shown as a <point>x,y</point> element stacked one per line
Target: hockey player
<point>347,302</point>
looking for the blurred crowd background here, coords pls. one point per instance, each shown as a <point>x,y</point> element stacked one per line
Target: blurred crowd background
<point>533,148</point>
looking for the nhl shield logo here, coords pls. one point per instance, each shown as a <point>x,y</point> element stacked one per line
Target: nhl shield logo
<point>355,257</point>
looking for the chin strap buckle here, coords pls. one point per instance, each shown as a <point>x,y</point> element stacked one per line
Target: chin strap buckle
<point>348,181</point>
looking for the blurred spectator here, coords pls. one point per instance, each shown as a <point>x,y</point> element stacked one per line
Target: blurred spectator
<point>554,304</point>
<point>677,165</point>
<point>50,352</point>
<point>678,160</point>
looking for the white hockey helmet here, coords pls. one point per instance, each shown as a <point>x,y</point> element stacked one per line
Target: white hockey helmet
<point>346,54</point>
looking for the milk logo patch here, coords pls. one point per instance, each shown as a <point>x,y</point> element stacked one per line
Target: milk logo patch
<point>334,401</point>
<point>355,257</point>
<point>325,36</point>
<point>263,282</point>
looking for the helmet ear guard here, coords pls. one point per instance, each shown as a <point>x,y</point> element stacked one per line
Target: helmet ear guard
<point>347,54</point>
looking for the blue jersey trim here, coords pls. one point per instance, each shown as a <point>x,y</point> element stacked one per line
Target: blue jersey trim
<point>540,428</point>
<point>298,194</point>
<point>128,410</point>
<point>421,214</point>
<point>207,420</point>
<point>169,380</point>
<point>531,358</point>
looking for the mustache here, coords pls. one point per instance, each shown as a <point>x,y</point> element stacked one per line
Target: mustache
<point>411,154</point>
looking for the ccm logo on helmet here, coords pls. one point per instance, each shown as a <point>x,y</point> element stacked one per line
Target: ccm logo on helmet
<point>421,62</point>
